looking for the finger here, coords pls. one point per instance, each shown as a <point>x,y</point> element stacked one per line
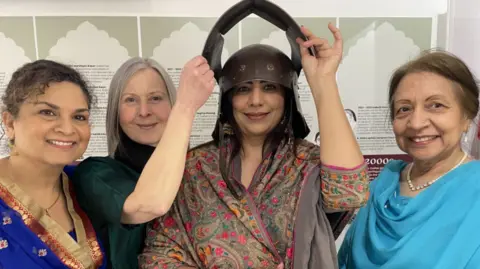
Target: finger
<point>198,60</point>
<point>211,83</point>
<point>303,49</point>
<point>317,42</point>
<point>338,43</point>
<point>203,69</point>
<point>308,34</point>
<point>209,74</point>
<point>322,48</point>
<point>325,53</point>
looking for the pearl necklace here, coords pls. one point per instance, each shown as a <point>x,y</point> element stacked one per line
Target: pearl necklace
<point>417,188</point>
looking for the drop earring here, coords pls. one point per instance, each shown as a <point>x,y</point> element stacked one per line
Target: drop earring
<point>228,129</point>
<point>11,146</point>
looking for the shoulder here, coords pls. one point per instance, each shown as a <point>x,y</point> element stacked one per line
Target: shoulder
<point>307,150</point>
<point>101,168</point>
<point>393,169</point>
<point>97,162</point>
<point>469,172</point>
<point>198,156</point>
<point>100,163</point>
<point>394,166</point>
<point>473,165</point>
<point>206,150</point>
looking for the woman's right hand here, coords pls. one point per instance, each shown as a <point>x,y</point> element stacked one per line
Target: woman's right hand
<point>161,177</point>
<point>196,84</point>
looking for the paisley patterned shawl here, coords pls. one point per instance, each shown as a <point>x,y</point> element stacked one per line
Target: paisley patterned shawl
<point>207,227</point>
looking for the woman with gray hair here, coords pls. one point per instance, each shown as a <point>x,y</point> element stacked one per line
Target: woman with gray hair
<point>144,119</point>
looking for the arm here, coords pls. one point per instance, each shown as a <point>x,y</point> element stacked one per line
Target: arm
<point>344,189</point>
<point>339,146</point>
<point>345,181</point>
<point>158,184</point>
<point>164,246</point>
<point>160,179</point>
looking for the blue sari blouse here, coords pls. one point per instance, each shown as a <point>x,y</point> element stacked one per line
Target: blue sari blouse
<point>29,238</point>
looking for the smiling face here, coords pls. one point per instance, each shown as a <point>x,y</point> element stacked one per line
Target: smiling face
<point>53,127</point>
<point>258,107</point>
<point>428,119</point>
<point>144,107</point>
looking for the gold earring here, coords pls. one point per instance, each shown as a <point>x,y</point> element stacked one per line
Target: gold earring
<point>228,129</point>
<point>11,146</point>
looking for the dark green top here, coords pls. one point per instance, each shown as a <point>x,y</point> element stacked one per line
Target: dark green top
<point>102,185</point>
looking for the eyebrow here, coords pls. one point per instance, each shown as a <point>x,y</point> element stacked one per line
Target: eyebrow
<point>402,101</point>
<point>149,93</point>
<point>432,97</point>
<point>57,107</point>
<point>436,96</point>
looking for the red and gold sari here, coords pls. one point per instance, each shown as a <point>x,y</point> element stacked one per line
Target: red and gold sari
<point>29,238</point>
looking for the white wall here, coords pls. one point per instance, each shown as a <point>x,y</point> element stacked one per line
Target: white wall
<point>464,41</point>
<point>213,8</point>
<point>464,36</point>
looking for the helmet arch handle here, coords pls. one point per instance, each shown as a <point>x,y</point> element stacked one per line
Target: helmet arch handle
<point>265,9</point>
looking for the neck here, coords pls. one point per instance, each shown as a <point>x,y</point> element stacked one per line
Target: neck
<point>34,176</point>
<point>133,154</point>
<point>438,165</point>
<point>252,147</point>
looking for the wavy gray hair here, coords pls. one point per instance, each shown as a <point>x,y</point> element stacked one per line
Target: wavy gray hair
<point>117,86</point>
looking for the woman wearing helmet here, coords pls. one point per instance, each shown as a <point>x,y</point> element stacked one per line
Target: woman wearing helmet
<point>256,196</point>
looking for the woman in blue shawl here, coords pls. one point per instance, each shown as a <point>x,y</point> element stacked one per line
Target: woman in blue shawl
<point>46,121</point>
<point>424,214</point>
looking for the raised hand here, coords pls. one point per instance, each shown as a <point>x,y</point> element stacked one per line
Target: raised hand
<point>196,84</point>
<point>327,59</point>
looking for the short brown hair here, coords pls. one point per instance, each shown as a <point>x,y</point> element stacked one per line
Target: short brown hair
<point>448,66</point>
<point>34,78</point>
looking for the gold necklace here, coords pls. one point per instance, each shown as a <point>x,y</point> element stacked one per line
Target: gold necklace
<point>13,180</point>
<point>419,187</point>
<point>50,207</point>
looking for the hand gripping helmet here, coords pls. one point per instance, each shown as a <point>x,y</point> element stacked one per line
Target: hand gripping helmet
<point>257,61</point>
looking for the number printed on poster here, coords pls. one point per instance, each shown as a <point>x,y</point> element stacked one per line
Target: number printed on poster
<point>378,161</point>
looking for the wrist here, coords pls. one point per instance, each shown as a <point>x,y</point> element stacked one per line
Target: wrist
<point>323,85</point>
<point>184,111</point>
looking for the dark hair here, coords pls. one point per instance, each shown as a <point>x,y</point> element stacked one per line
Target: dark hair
<point>34,78</point>
<point>283,128</point>
<point>448,66</point>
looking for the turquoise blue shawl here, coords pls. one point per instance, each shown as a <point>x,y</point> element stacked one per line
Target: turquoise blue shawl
<point>439,228</point>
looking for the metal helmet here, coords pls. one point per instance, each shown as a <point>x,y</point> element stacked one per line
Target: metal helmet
<point>266,63</point>
<point>258,61</point>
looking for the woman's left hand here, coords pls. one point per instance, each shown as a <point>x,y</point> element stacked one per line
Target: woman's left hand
<point>327,59</point>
